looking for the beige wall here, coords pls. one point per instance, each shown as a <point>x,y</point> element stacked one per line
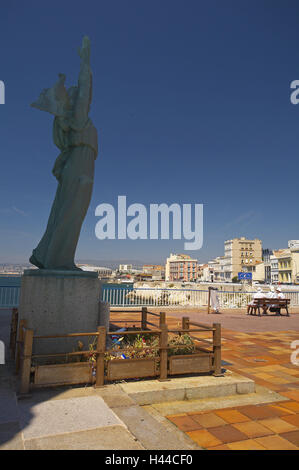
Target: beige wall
<point>244,249</point>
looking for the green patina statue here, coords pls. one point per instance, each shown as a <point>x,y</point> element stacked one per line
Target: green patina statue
<point>76,137</point>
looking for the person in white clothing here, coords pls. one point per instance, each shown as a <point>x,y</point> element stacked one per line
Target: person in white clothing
<point>271,293</point>
<point>257,295</point>
<point>280,295</point>
<point>277,295</point>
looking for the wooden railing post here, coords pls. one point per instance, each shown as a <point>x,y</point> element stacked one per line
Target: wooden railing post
<point>217,348</point>
<point>101,347</point>
<point>22,325</point>
<point>144,318</point>
<point>162,320</point>
<point>185,323</point>
<point>26,362</point>
<point>163,352</point>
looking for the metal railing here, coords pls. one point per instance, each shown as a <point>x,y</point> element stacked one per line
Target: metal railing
<point>121,297</point>
<point>180,297</point>
<point>9,296</point>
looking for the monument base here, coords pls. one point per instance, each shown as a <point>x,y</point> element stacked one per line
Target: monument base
<point>60,302</point>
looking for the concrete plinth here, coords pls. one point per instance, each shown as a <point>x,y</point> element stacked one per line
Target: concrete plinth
<point>104,314</point>
<point>59,302</point>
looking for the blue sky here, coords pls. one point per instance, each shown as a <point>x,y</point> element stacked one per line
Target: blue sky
<point>192,104</point>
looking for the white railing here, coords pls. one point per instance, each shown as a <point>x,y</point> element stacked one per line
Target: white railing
<point>180,297</point>
<point>119,296</point>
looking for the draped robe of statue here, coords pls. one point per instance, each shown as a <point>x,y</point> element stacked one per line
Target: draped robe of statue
<point>76,137</point>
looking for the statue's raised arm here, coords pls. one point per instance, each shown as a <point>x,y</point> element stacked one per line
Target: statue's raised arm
<point>84,96</point>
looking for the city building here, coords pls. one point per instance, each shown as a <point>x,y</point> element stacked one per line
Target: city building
<point>219,269</point>
<point>274,267</point>
<point>293,245</point>
<point>240,252</point>
<point>157,271</point>
<point>267,262</point>
<point>125,268</point>
<point>288,264</point>
<point>257,269</point>
<point>180,267</point>
<point>101,270</point>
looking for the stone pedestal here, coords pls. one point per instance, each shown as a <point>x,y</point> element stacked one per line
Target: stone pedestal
<point>104,314</point>
<point>60,302</point>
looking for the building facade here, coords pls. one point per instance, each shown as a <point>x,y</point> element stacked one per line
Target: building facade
<point>157,271</point>
<point>274,268</point>
<point>125,268</point>
<point>267,262</point>
<point>257,269</point>
<point>180,267</point>
<point>288,264</point>
<point>240,252</point>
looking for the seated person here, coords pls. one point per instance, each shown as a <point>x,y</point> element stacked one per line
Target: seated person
<point>277,295</point>
<point>271,293</point>
<point>257,295</point>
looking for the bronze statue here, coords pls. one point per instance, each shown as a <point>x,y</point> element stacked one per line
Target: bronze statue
<point>76,137</point>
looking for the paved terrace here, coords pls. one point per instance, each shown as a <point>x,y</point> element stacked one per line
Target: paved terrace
<point>84,418</point>
<point>258,348</point>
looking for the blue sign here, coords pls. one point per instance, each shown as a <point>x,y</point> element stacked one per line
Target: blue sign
<point>245,276</point>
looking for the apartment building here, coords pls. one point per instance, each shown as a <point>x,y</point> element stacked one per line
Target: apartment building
<point>267,262</point>
<point>274,267</point>
<point>219,269</point>
<point>288,264</point>
<point>204,273</point>
<point>240,252</point>
<point>125,268</point>
<point>257,269</point>
<point>180,267</point>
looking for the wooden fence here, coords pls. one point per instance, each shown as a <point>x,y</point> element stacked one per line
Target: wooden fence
<point>205,359</point>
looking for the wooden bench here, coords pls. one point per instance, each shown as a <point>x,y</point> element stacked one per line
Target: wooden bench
<point>265,304</point>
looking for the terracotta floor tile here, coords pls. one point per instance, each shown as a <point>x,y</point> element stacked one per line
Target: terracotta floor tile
<point>277,425</point>
<point>258,412</point>
<point>275,443</point>
<point>222,447</point>
<point>292,395</point>
<point>290,371</point>
<point>227,434</point>
<point>264,376</point>
<point>278,380</point>
<point>204,438</point>
<point>185,423</point>
<point>253,429</point>
<point>291,405</point>
<point>292,419</point>
<point>281,411</point>
<point>209,420</point>
<point>232,416</point>
<point>292,436</point>
<point>249,444</point>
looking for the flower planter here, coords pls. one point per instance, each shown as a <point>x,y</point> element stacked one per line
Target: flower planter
<point>190,364</point>
<point>131,368</point>
<point>63,374</point>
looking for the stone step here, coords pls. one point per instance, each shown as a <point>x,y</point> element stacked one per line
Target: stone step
<point>147,392</point>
